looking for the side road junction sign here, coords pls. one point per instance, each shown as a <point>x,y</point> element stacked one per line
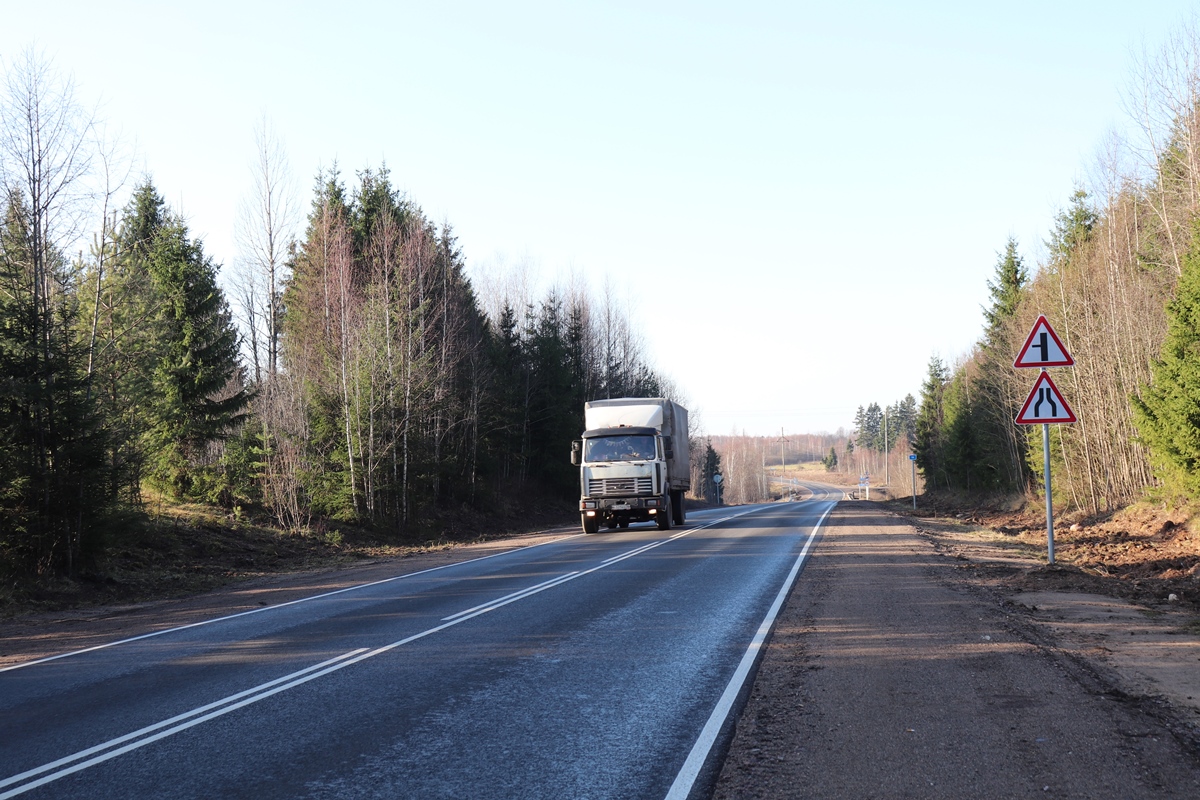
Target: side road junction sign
<point>1043,348</point>
<point>1045,405</point>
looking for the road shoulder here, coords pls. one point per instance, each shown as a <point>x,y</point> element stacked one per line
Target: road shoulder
<point>894,671</point>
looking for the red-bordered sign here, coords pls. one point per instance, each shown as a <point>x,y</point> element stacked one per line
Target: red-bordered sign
<point>1043,348</point>
<point>1045,404</point>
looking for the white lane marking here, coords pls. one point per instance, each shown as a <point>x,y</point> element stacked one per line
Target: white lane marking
<point>635,551</point>
<point>686,778</point>
<point>523,593</point>
<point>517,595</point>
<point>274,607</point>
<point>159,725</point>
<point>247,697</point>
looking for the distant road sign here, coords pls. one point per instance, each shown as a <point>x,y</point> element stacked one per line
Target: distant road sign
<point>912,456</point>
<point>1045,404</point>
<point>1043,348</point>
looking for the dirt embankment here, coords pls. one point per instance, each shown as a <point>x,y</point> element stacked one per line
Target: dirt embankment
<point>1124,592</point>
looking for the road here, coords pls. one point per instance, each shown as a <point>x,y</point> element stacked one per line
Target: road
<point>589,667</point>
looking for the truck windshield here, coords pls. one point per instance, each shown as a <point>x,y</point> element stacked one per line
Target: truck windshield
<point>619,448</point>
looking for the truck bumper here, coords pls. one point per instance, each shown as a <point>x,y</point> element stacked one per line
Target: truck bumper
<point>633,509</point>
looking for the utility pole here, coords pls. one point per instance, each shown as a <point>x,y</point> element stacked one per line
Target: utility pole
<point>782,462</point>
<point>887,451</point>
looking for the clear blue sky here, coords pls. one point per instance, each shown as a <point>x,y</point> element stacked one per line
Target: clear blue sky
<point>803,201</point>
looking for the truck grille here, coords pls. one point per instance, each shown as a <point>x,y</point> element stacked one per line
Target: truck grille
<point>621,487</point>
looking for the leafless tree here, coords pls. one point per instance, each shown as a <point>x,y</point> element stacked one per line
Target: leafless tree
<point>265,235</point>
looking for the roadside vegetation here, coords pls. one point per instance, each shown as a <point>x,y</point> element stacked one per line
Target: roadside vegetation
<point>352,382</point>
<point>1120,283</point>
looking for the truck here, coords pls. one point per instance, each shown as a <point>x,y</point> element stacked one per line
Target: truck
<point>634,463</point>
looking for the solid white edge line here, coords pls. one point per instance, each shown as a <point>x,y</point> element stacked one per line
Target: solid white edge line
<point>686,778</point>
<point>278,606</point>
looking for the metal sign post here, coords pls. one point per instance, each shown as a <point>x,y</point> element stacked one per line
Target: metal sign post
<point>912,462</point>
<point>1049,494</point>
<point>1045,404</point>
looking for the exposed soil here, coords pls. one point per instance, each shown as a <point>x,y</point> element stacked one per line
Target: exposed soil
<point>1103,617</point>
<point>1143,553</point>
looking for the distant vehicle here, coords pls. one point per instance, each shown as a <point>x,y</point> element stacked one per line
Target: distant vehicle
<point>634,463</point>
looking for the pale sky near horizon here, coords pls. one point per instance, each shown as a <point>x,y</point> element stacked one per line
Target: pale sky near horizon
<point>801,202</point>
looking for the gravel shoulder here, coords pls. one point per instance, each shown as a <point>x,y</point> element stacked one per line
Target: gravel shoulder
<point>908,663</point>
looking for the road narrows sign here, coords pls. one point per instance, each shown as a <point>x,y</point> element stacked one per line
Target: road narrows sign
<point>1045,404</point>
<point>1043,348</point>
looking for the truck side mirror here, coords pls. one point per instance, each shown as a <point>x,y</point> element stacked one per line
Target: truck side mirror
<point>576,452</point>
<point>668,450</point>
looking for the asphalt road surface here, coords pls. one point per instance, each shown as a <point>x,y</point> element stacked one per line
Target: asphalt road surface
<point>590,667</point>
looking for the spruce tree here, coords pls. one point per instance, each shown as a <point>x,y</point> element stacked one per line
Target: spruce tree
<point>1167,412</point>
<point>998,444</point>
<point>930,427</point>
<point>50,460</point>
<point>710,468</point>
<point>124,312</point>
<point>198,396</point>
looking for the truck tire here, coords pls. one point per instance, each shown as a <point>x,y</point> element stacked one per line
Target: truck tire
<point>590,524</point>
<point>677,506</point>
<point>664,517</point>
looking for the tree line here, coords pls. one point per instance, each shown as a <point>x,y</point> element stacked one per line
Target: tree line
<point>352,373</point>
<point>749,463</point>
<point>1118,282</point>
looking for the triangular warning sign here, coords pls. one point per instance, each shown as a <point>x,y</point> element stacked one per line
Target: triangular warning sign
<point>1043,348</point>
<point>1045,404</point>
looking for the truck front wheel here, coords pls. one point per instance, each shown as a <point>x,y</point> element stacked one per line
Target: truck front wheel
<point>591,524</point>
<point>663,517</point>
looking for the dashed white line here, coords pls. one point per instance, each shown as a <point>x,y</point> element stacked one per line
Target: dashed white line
<point>356,587</point>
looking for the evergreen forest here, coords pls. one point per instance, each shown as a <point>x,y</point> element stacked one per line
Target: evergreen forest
<point>351,373</point>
